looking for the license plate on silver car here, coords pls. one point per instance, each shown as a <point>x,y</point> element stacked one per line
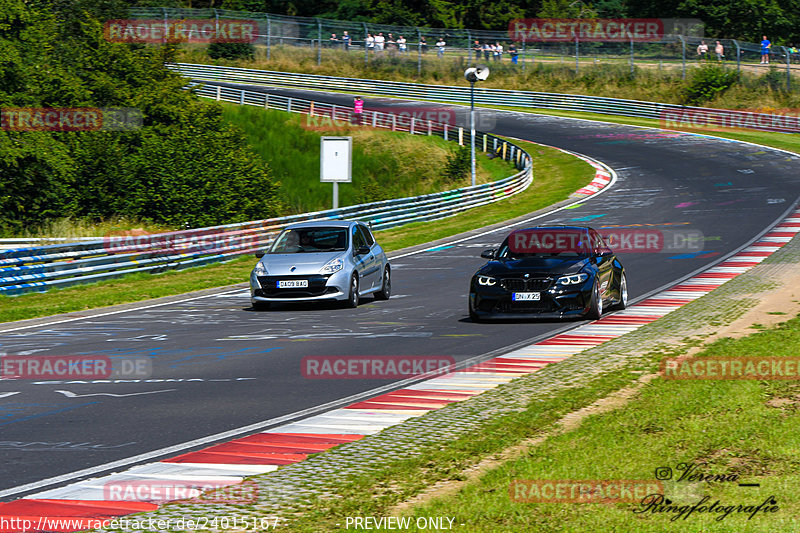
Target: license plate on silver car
<point>526,296</point>
<point>292,283</point>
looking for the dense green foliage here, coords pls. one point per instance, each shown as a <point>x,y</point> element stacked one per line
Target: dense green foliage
<point>708,82</point>
<point>458,165</point>
<point>185,166</point>
<point>231,51</point>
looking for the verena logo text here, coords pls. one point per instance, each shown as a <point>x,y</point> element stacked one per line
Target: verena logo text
<point>374,367</point>
<point>187,31</point>
<point>582,491</point>
<point>210,491</point>
<point>73,367</point>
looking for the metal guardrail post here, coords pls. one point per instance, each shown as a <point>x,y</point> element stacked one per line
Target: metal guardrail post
<point>577,54</point>
<point>266,100</point>
<point>683,56</point>
<point>788,68</point>
<point>738,56</point>
<point>366,50</point>
<point>319,42</point>
<point>419,52</point>
<point>166,25</point>
<point>469,46</point>
<point>632,72</point>
<point>289,105</point>
<point>269,36</point>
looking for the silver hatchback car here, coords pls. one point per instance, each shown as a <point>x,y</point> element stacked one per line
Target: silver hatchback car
<point>321,260</point>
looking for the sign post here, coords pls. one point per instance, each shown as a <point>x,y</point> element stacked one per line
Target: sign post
<point>336,163</point>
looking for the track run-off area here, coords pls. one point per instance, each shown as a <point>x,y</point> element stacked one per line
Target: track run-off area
<point>220,370</point>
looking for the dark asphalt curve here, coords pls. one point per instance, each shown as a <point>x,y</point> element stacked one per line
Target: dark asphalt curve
<point>225,366</point>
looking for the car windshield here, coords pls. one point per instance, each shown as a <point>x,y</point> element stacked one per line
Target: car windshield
<point>310,240</point>
<point>546,242</point>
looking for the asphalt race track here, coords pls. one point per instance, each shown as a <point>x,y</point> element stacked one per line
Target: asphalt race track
<point>228,367</point>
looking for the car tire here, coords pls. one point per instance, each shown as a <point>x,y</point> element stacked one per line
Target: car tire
<point>623,294</point>
<point>260,306</point>
<point>386,285</point>
<point>473,315</point>
<point>352,295</point>
<point>595,304</point>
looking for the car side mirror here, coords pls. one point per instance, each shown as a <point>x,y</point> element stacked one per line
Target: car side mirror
<point>259,254</point>
<point>488,254</point>
<point>362,250</point>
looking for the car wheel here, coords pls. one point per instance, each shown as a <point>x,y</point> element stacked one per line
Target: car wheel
<point>260,306</point>
<point>386,287</point>
<point>352,297</point>
<point>595,304</point>
<point>473,315</point>
<point>623,293</point>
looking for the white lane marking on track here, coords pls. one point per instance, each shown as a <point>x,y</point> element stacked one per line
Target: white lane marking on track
<point>7,394</point>
<point>69,394</point>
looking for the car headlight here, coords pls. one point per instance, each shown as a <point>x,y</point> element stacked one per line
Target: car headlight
<point>332,266</point>
<point>260,269</point>
<point>573,279</point>
<point>486,280</point>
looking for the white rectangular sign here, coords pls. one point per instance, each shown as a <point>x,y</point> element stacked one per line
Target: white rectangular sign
<point>336,161</point>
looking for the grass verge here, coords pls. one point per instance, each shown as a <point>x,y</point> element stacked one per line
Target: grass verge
<point>557,175</point>
<point>746,430</point>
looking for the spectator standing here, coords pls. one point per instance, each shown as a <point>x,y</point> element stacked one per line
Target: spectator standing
<point>401,44</point>
<point>440,47</point>
<point>370,43</point>
<point>512,51</point>
<point>765,47</point>
<point>391,44</point>
<point>487,51</point>
<point>423,44</point>
<point>702,51</point>
<point>346,41</point>
<point>476,49</point>
<point>334,41</point>
<point>498,52</point>
<point>380,41</point>
<point>720,51</point>
<point>358,110</point>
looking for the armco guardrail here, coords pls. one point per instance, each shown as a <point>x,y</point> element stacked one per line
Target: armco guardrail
<point>41,268</point>
<point>567,102</point>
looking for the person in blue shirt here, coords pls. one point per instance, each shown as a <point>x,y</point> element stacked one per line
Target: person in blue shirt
<point>765,46</point>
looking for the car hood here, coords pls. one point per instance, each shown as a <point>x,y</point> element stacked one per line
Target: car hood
<point>301,263</point>
<point>536,266</point>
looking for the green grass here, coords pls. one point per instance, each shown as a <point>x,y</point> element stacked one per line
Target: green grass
<point>556,176</point>
<point>747,428</point>
<point>385,164</point>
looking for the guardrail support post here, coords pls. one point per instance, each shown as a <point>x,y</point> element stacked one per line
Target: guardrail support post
<point>266,100</point>
<point>429,128</point>
<point>219,93</point>
<point>469,46</point>
<point>631,56</point>
<point>411,126</point>
<point>289,105</point>
<point>683,56</point>
<point>738,56</point>
<point>460,136</point>
<point>366,50</point>
<point>419,53</point>
<point>578,53</point>
<point>311,109</point>
<point>374,119</point>
<point>788,68</point>
<point>269,36</point>
<point>241,97</point>
<point>445,132</point>
<point>319,42</point>
<point>394,122</point>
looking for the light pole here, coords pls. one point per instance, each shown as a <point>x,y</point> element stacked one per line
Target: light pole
<point>473,74</point>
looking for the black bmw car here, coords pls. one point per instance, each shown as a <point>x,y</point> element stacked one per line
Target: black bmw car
<point>548,272</point>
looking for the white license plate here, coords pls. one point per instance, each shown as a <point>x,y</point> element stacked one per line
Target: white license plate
<point>292,283</point>
<point>526,296</point>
